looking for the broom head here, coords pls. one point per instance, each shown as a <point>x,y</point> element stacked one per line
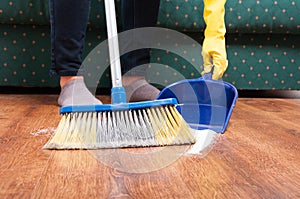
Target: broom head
<point>138,124</point>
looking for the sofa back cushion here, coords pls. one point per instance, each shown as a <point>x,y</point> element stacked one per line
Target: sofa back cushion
<point>241,16</point>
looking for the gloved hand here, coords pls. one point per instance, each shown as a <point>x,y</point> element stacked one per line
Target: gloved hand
<point>213,49</point>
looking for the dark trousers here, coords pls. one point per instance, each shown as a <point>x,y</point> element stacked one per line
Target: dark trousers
<point>137,14</point>
<point>69,19</point>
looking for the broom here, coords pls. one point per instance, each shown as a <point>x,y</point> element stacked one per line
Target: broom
<point>120,124</point>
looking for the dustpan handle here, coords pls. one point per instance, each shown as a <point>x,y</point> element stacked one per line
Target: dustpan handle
<point>207,76</point>
<point>113,44</point>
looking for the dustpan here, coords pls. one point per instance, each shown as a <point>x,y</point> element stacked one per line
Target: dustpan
<point>204,103</point>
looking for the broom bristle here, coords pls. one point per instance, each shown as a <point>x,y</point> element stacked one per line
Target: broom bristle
<point>155,126</point>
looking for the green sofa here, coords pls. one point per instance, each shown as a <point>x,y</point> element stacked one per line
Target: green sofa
<point>263,43</point>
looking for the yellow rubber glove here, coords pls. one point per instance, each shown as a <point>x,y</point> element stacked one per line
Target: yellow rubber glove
<point>214,49</point>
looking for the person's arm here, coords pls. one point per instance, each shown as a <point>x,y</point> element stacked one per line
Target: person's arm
<point>214,49</point>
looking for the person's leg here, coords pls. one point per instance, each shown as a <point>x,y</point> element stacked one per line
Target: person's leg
<point>68,20</point>
<point>137,14</point>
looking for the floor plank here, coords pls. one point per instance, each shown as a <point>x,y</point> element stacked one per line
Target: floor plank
<point>257,157</point>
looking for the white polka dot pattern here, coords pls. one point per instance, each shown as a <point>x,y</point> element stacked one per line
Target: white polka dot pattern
<point>262,43</point>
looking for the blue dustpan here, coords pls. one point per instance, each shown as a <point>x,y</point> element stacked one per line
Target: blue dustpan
<point>204,103</point>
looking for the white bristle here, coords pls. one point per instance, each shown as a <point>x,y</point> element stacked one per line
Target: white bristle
<point>157,126</point>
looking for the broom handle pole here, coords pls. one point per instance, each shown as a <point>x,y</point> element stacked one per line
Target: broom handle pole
<point>113,44</point>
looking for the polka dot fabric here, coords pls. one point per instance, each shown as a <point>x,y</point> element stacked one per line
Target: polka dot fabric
<point>256,62</point>
<point>262,43</point>
<point>258,16</point>
<point>24,12</point>
<point>182,15</point>
<point>36,12</point>
<point>25,42</point>
<point>263,61</point>
<point>25,55</point>
<point>242,16</point>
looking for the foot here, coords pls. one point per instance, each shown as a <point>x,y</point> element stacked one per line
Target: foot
<point>75,92</point>
<point>140,90</point>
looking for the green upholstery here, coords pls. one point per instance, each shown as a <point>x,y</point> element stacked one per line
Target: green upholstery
<point>263,39</point>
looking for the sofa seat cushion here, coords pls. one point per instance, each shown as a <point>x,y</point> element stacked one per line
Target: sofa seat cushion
<point>255,61</point>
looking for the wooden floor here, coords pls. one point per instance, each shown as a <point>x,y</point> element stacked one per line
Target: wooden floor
<point>257,157</point>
